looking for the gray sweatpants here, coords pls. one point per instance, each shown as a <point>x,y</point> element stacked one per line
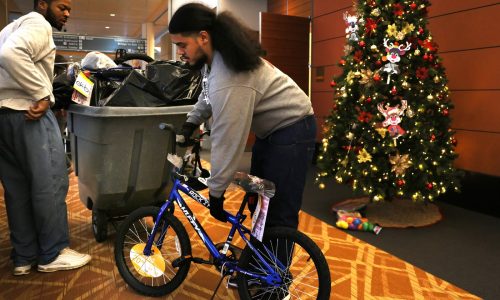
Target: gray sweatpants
<point>34,176</point>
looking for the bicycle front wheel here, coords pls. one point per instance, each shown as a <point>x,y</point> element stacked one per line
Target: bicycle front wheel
<point>302,267</point>
<point>152,275</point>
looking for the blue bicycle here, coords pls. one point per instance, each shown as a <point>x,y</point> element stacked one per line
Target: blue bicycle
<point>153,249</point>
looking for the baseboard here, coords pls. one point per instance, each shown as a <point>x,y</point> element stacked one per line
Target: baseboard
<point>479,192</point>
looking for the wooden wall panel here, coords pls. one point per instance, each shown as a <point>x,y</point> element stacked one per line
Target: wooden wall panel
<point>328,26</point>
<point>276,7</point>
<point>440,7</point>
<point>323,7</point>
<point>322,103</point>
<point>476,110</point>
<point>482,29</point>
<point>328,52</point>
<point>473,70</point>
<point>298,8</point>
<point>467,33</point>
<point>478,151</point>
<point>329,73</point>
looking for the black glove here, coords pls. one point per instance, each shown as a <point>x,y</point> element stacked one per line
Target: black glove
<point>187,131</point>
<point>217,208</point>
<point>252,200</point>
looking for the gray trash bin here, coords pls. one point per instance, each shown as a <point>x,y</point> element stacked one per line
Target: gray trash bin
<point>120,157</point>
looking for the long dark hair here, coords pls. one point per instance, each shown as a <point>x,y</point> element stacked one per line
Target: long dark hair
<point>230,37</point>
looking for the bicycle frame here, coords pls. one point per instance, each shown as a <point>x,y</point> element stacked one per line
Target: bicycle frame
<point>220,259</point>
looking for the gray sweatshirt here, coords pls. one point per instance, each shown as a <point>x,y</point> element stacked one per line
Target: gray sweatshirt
<point>27,53</point>
<point>263,101</point>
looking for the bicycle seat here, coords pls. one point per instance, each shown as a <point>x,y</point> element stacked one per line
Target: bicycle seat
<point>253,184</point>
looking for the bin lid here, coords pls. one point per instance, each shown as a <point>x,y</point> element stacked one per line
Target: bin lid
<point>113,111</point>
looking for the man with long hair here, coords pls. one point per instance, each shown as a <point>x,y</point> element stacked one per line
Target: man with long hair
<point>243,92</point>
<point>32,158</point>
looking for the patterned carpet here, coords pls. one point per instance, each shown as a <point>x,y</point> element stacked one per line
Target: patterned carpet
<point>359,270</point>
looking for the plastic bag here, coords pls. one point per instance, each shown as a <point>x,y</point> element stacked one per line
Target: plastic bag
<point>176,81</point>
<point>96,60</point>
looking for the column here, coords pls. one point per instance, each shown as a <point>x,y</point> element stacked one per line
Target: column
<point>148,33</point>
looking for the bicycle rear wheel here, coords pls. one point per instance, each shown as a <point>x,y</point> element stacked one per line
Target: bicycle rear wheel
<point>305,274</point>
<point>151,275</point>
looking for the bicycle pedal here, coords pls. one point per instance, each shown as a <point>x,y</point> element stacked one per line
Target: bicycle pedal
<point>180,261</point>
<point>200,260</point>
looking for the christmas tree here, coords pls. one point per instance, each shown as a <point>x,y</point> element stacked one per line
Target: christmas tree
<point>389,133</point>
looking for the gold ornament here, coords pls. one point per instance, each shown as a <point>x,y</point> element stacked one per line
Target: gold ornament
<point>400,35</point>
<point>375,12</point>
<point>373,48</point>
<point>382,131</point>
<point>344,162</point>
<point>436,79</point>
<point>321,186</point>
<point>349,135</point>
<point>430,97</point>
<point>416,52</point>
<point>405,84</point>
<point>364,156</point>
<point>409,112</point>
<point>366,77</point>
<point>400,163</point>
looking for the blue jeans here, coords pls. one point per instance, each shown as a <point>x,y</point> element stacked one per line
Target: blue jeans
<point>283,158</point>
<point>35,179</point>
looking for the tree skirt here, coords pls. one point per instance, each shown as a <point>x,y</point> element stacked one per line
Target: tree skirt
<point>398,213</point>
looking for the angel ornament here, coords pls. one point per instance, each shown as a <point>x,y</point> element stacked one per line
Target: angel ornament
<point>392,116</point>
<point>394,53</point>
<point>352,27</point>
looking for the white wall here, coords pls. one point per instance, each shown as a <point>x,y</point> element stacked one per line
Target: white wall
<point>246,10</point>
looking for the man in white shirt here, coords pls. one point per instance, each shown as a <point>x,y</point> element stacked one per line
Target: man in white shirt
<point>32,159</point>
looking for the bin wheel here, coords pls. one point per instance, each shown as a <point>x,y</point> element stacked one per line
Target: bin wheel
<point>99,225</point>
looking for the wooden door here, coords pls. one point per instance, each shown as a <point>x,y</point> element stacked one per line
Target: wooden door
<point>286,42</point>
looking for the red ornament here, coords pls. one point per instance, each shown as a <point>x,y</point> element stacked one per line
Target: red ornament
<point>394,91</point>
<point>362,43</point>
<point>376,77</point>
<point>378,63</point>
<point>398,9</point>
<point>454,142</point>
<point>433,137</point>
<point>413,6</point>
<point>333,83</point>
<point>368,100</point>
<point>420,30</point>
<point>429,185</point>
<point>342,62</point>
<point>400,182</point>
<point>445,112</point>
<point>426,57</point>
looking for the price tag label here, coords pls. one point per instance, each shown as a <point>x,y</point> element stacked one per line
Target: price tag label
<point>83,89</point>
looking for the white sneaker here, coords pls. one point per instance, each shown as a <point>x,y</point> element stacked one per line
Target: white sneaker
<point>68,259</point>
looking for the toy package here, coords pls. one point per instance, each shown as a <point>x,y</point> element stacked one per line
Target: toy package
<point>353,220</point>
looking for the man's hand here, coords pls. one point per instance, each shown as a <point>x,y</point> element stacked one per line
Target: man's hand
<point>217,208</point>
<point>38,109</point>
<point>187,131</point>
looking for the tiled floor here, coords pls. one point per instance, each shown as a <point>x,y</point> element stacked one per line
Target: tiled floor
<point>359,270</point>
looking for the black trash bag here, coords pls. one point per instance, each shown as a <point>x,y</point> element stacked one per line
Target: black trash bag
<point>62,88</point>
<point>136,91</point>
<point>176,81</point>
